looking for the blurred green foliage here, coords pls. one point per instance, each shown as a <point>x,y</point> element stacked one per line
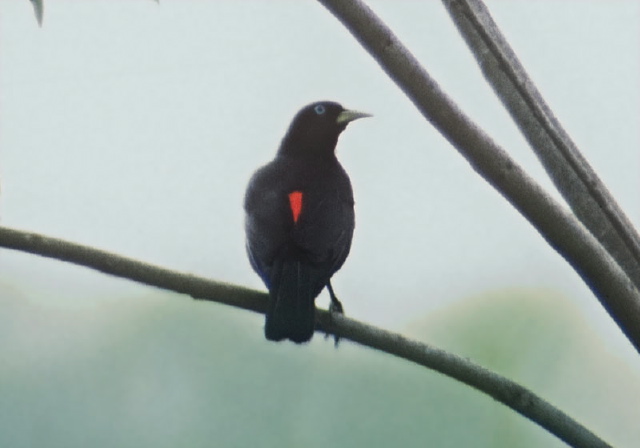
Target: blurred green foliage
<point>165,371</point>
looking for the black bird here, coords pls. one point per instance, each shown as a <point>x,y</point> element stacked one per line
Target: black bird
<point>300,220</point>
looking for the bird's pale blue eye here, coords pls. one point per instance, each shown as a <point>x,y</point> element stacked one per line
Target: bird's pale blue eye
<point>319,109</point>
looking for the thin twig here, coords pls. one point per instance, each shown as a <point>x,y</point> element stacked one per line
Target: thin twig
<point>573,176</point>
<point>559,228</point>
<point>500,388</point>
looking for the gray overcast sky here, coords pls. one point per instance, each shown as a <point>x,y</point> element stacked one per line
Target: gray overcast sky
<point>134,127</point>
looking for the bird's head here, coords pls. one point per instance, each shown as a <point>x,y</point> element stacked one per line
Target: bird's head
<point>316,127</point>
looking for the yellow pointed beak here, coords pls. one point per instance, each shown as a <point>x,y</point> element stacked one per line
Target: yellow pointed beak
<point>347,116</point>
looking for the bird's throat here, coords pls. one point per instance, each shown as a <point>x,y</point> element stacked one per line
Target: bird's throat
<point>299,144</point>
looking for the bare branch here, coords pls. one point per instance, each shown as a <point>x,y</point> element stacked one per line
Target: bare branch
<point>573,176</point>
<point>561,229</point>
<point>500,388</point>
<point>120,266</point>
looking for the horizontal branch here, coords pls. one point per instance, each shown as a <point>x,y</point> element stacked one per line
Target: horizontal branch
<point>500,388</point>
<point>613,288</point>
<point>138,271</point>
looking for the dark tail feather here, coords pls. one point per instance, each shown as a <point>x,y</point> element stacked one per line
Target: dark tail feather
<point>291,313</point>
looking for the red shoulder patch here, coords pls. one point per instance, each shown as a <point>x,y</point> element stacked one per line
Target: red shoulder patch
<point>295,203</point>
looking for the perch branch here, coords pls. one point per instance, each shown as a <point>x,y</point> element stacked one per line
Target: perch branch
<point>500,388</point>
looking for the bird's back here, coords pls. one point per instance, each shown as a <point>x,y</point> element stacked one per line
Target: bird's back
<point>320,236</point>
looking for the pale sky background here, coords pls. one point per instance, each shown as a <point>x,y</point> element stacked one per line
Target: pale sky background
<point>134,127</point>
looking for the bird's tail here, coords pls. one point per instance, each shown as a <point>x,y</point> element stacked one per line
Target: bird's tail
<point>291,313</point>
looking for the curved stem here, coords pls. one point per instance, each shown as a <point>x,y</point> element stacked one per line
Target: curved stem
<point>500,388</point>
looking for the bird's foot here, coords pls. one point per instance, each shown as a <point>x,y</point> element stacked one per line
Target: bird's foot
<point>335,307</point>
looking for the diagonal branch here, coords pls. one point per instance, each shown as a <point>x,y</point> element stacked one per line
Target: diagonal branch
<point>560,228</point>
<point>500,388</point>
<point>573,176</point>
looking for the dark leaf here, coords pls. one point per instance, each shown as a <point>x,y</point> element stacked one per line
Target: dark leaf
<point>38,9</point>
